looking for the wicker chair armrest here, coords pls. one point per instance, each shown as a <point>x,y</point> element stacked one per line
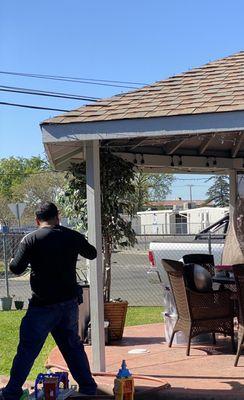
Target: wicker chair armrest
<point>210,304</point>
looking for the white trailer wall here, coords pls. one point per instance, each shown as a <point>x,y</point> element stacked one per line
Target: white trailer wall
<point>165,221</point>
<point>156,222</point>
<point>200,218</point>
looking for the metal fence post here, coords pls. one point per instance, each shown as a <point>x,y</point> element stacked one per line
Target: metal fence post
<point>209,244</point>
<point>5,263</point>
<point>145,239</point>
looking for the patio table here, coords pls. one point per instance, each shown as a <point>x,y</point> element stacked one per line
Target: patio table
<point>224,276</point>
<point>224,280</point>
<point>228,282</point>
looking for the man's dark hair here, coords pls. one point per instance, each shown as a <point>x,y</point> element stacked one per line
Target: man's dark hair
<point>46,211</point>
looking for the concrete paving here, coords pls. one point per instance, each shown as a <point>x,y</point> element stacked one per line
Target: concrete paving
<point>208,373</point>
<point>167,373</point>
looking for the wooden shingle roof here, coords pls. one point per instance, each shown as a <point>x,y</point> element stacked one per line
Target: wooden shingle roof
<point>215,87</point>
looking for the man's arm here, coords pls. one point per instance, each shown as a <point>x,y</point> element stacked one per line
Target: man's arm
<point>20,262</point>
<point>85,248</point>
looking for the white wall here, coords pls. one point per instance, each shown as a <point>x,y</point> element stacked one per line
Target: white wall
<point>155,222</point>
<point>164,221</point>
<point>200,218</point>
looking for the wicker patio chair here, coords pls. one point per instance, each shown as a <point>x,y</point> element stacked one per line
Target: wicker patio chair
<point>206,260</point>
<point>198,312</point>
<point>238,270</point>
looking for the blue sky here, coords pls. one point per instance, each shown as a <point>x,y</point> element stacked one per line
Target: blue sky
<point>136,41</point>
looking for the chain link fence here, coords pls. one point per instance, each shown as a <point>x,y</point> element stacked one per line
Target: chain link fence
<point>130,280</point>
<point>12,286</point>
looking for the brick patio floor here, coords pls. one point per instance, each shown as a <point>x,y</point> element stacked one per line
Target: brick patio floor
<point>208,373</point>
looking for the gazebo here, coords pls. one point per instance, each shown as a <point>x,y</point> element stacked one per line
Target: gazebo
<point>190,123</point>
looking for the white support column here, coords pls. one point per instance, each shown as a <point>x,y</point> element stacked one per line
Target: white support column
<point>96,267</point>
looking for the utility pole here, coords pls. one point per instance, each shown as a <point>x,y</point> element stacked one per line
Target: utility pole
<point>190,186</point>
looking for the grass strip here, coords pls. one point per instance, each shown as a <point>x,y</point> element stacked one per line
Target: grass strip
<point>10,322</point>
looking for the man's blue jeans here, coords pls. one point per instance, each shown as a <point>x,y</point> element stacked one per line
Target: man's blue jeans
<point>61,320</point>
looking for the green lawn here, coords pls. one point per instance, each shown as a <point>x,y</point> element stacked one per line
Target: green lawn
<point>143,315</point>
<point>10,321</point>
<point>1,266</point>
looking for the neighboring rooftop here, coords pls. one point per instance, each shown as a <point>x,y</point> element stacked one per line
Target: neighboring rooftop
<point>215,87</point>
<point>166,203</point>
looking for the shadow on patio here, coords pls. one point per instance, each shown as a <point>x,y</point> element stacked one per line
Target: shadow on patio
<point>208,373</point>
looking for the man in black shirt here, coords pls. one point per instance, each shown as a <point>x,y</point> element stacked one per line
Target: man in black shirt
<point>51,251</point>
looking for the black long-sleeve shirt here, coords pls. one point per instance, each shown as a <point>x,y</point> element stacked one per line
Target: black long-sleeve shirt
<point>52,253</point>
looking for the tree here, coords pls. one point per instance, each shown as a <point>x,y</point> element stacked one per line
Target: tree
<point>6,215</point>
<point>14,170</point>
<point>28,180</point>
<point>150,187</point>
<point>159,186</point>
<point>117,186</point>
<point>38,187</point>
<point>219,192</point>
<point>140,195</point>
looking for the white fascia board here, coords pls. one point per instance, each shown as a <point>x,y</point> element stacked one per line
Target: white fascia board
<point>128,128</point>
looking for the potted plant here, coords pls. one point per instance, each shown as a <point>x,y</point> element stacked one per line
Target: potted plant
<point>117,177</point>
<point>115,312</point>
<point>6,303</point>
<point>19,303</point>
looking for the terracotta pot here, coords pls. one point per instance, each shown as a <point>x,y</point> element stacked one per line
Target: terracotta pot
<point>115,313</point>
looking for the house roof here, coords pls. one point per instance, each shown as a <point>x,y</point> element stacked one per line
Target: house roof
<point>165,203</point>
<point>213,88</point>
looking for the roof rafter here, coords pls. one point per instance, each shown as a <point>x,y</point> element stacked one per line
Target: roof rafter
<point>237,146</point>
<point>62,159</point>
<point>206,144</point>
<point>139,142</point>
<point>171,149</point>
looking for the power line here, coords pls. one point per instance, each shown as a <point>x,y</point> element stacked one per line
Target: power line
<point>47,171</point>
<point>31,106</point>
<point>70,77</point>
<point>90,81</point>
<point>36,92</point>
<point>191,179</point>
<point>183,186</point>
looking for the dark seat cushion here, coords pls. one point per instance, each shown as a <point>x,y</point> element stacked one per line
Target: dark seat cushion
<point>197,278</point>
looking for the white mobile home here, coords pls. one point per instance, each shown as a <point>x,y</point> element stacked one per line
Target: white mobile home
<point>189,221</point>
